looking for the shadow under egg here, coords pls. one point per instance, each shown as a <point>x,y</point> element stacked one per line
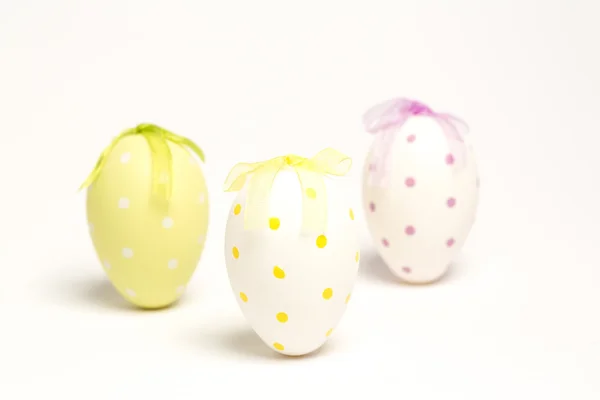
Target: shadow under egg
<point>240,341</point>
<point>372,268</point>
<point>93,291</point>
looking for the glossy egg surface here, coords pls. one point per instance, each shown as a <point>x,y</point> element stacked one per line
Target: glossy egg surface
<point>148,251</point>
<point>293,287</point>
<point>423,217</point>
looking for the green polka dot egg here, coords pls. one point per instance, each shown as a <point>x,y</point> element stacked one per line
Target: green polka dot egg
<point>292,284</point>
<point>147,209</point>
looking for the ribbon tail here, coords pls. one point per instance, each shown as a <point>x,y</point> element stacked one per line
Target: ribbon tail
<point>314,200</point>
<point>195,148</point>
<point>455,124</point>
<point>330,161</point>
<point>385,114</point>
<point>314,192</point>
<point>373,117</point>
<point>95,172</point>
<point>380,166</point>
<point>188,143</point>
<point>102,159</point>
<point>454,136</point>
<point>461,126</point>
<point>257,197</point>
<point>161,165</point>
<point>236,179</point>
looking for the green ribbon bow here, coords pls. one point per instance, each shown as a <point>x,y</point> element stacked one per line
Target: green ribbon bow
<point>162,159</point>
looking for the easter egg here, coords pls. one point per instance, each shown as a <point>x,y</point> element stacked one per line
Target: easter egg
<point>293,285</point>
<point>421,217</point>
<point>147,244</point>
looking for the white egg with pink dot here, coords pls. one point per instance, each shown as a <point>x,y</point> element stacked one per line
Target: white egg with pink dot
<point>420,188</point>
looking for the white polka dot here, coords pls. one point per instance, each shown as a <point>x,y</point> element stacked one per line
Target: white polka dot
<point>201,239</point>
<point>123,202</point>
<point>167,222</point>
<point>127,252</point>
<point>201,198</point>
<point>106,265</point>
<point>173,264</point>
<point>130,292</point>
<point>192,160</point>
<point>180,289</point>
<point>125,157</point>
<point>91,227</point>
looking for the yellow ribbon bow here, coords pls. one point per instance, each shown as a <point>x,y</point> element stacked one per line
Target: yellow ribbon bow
<point>310,173</point>
<point>162,160</point>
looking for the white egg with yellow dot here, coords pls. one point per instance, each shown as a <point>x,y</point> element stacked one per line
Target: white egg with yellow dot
<point>149,247</point>
<point>292,284</point>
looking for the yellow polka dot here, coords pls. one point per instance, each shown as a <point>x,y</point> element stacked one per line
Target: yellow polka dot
<point>329,332</point>
<point>347,299</point>
<point>321,241</point>
<point>243,297</point>
<point>327,293</point>
<point>282,317</point>
<point>351,215</point>
<point>311,193</point>
<point>237,209</point>
<point>278,272</point>
<point>274,223</point>
<point>236,252</point>
<point>357,256</point>
<point>278,346</point>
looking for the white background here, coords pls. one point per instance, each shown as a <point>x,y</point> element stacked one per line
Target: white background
<point>517,317</point>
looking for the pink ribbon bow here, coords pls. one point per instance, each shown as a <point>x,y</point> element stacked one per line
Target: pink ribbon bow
<point>385,120</point>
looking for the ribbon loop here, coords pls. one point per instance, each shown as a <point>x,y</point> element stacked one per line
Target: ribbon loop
<point>162,159</point>
<point>310,172</point>
<point>385,120</point>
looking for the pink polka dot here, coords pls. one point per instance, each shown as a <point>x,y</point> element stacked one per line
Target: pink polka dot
<point>477,182</point>
<point>450,242</point>
<point>372,206</point>
<point>410,182</point>
<point>410,138</point>
<point>385,242</point>
<point>372,167</point>
<point>410,230</point>
<point>451,202</point>
<point>449,159</point>
<point>406,270</point>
